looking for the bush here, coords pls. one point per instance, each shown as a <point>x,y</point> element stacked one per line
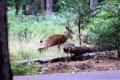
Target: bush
<point>104,29</point>
<point>22,69</point>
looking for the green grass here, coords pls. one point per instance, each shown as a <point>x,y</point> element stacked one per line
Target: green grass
<point>25,69</point>
<point>35,29</point>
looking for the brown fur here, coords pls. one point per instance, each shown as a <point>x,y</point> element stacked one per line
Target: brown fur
<point>58,39</point>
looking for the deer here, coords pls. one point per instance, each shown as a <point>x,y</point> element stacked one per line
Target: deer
<point>57,39</point>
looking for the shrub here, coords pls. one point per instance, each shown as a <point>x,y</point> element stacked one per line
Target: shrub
<point>104,29</point>
<point>22,69</point>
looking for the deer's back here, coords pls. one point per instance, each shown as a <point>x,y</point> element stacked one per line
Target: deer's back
<point>55,39</point>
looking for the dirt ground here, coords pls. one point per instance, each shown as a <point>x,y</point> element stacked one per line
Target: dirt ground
<point>90,65</point>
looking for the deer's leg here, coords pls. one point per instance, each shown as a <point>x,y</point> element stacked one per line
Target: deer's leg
<point>46,49</point>
<point>58,46</point>
<point>71,54</point>
<point>66,58</point>
<point>40,49</point>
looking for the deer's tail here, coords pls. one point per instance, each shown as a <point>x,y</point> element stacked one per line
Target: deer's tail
<point>42,46</point>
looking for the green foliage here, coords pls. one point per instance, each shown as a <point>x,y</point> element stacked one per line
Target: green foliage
<point>79,8</point>
<point>104,29</point>
<point>22,69</point>
<point>31,28</point>
<point>10,2</point>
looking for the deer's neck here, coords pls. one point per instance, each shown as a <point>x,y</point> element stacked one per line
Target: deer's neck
<point>67,35</point>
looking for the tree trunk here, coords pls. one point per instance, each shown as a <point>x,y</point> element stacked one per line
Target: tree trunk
<point>49,4</point>
<point>93,4</point>
<point>78,24</point>
<point>118,42</point>
<point>117,34</point>
<point>17,7</point>
<point>78,50</point>
<point>43,6</point>
<point>5,71</point>
<point>119,52</point>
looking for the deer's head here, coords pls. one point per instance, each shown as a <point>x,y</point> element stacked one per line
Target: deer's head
<point>68,32</point>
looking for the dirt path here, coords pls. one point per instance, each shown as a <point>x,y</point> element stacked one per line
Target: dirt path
<point>107,75</point>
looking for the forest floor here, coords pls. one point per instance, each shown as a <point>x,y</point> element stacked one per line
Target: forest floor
<point>90,65</point>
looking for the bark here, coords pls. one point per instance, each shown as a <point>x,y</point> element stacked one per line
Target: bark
<point>5,71</point>
<point>75,50</point>
<point>118,43</point>
<point>79,28</point>
<point>79,57</point>
<point>49,4</point>
<point>41,61</point>
<point>80,50</point>
<point>53,60</point>
<point>17,8</point>
<point>118,53</point>
<point>93,4</point>
<point>43,6</point>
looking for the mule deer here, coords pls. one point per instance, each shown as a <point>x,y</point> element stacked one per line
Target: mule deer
<point>57,39</point>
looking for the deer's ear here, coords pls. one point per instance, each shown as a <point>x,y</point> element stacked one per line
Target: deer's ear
<point>67,27</point>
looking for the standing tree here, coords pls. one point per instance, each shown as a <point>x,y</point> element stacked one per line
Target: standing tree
<point>49,4</point>
<point>5,71</point>
<point>81,9</point>
<point>43,6</point>
<point>17,8</point>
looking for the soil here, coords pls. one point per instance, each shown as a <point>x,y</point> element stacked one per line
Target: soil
<point>91,65</point>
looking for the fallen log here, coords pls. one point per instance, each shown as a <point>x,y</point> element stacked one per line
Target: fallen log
<point>76,50</point>
<point>82,57</point>
<point>41,61</point>
<point>48,60</point>
<point>80,50</point>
